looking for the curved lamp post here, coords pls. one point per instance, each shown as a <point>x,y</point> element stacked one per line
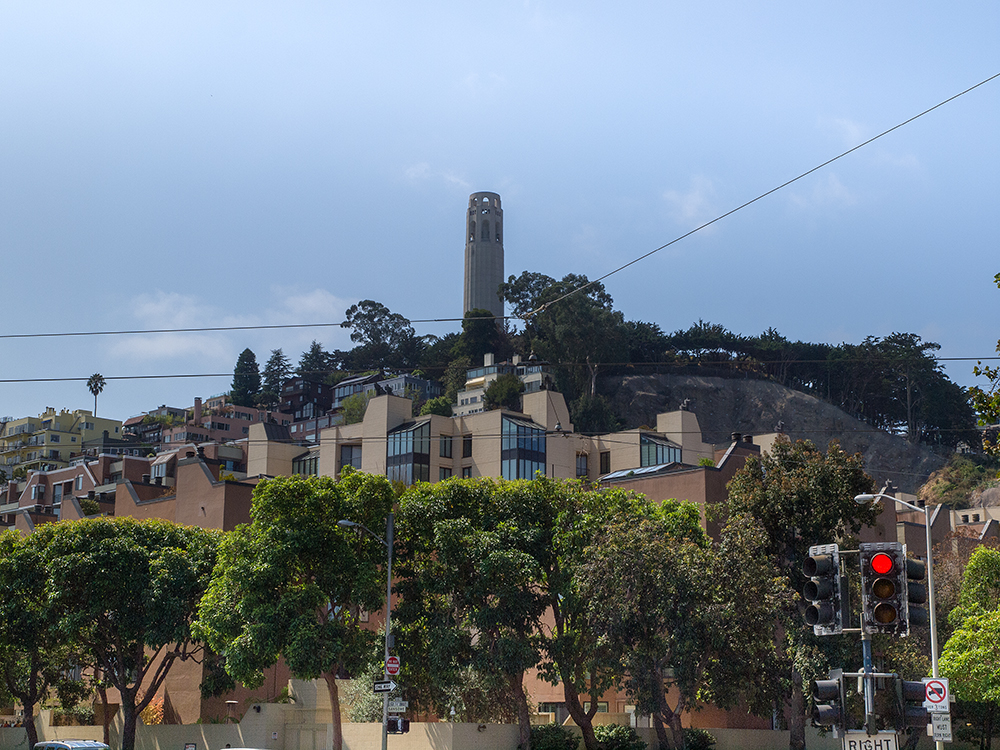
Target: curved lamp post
<point>931,608</point>
<point>387,542</point>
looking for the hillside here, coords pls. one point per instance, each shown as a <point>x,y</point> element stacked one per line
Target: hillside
<point>755,407</point>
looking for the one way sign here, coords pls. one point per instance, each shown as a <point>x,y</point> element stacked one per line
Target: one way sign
<point>385,686</point>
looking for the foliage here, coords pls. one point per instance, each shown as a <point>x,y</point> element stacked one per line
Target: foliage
<point>689,620</point>
<point>292,583</point>
<point>32,650</point>
<point>986,401</point>
<point>481,334</point>
<point>956,482</point>
<point>385,339</point>
<point>469,573</point>
<point>276,371</point>
<point>246,380</point>
<point>124,592</point>
<point>153,713</point>
<point>95,384</point>
<point>315,363</point>
<point>504,392</point>
<point>440,406</point>
<point>698,739</point>
<point>706,461</point>
<point>553,737</point>
<point>89,506</point>
<point>353,408</point>
<point>455,377</point>
<point>593,415</point>
<point>618,737</point>
<point>801,497</point>
<point>578,334</point>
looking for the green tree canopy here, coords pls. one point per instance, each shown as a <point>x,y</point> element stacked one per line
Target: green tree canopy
<point>690,620</point>
<point>276,371</point>
<point>801,497</point>
<point>33,653</point>
<point>246,380</point>
<point>470,600</point>
<point>385,339</point>
<point>504,392</point>
<point>124,592</point>
<point>292,583</point>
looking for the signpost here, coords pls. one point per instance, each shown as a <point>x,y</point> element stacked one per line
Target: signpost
<point>941,724</point>
<point>936,699</point>
<point>392,666</point>
<point>385,686</point>
<point>865,741</point>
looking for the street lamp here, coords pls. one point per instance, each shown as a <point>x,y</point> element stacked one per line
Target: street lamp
<point>387,542</point>
<point>931,608</point>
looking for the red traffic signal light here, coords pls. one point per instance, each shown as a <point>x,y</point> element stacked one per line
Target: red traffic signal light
<point>883,588</point>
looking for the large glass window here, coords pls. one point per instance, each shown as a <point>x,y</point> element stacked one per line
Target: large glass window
<point>654,451</point>
<point>522,451</point>
<point>350,455</point>
<point>306,465</point>
<point>408,454</point>
<point>445,446</point>
<point>581,465</point>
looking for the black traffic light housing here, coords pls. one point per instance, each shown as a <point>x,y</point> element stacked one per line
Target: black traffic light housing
<point>830,701</point>
<point>883,589</point>
<point>397,725</point>
<point>824,590</point>
<point>910,696</point>
<point>916,592</point>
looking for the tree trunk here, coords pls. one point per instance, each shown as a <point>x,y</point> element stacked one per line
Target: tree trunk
<point>797,711</point>
<point>661,731</point>
<point>338,730</point>
<point>106,717</point>
<point>523,715</point>
<point>29,724</point>
<point>128,726</point>
<point>582,719</point>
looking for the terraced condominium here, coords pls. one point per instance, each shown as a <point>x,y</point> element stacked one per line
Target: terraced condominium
<point>484,254</point>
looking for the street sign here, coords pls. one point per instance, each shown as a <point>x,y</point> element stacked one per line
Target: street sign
<point>936,698</point>
<point>397,706</point>
<point>385,686</point>
<point>864,741</point>
<point>392,665</point>
<point>941,723</point>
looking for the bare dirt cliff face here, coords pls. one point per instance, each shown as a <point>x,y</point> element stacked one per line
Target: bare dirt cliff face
<point>756,407</point>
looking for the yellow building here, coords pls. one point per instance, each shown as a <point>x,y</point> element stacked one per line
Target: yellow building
<point>51,439</point>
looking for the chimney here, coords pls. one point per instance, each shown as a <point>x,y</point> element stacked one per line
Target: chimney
<point>488,359</point>
<point>748,439</point>
<point>197,408</point>
<point>735,437</point>
<point>158,480</point>
<point>91,494</point>
<point>201,451</point>
<point>145,478</point>
<point>189,454</point>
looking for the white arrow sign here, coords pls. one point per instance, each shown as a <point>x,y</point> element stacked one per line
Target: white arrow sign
<point>385,686</point>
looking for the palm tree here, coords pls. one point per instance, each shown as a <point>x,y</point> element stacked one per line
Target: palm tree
<point>96,384</point>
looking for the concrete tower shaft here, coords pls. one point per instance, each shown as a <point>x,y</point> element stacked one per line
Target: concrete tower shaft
<point>483,254</point>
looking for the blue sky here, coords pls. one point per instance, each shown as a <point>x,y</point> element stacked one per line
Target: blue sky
<point>192,164</point>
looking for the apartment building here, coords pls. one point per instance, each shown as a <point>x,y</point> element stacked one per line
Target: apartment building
<point>50,440</point>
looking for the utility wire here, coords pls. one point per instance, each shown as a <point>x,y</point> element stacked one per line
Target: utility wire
<point>527,315</point>
<point>761,196</point>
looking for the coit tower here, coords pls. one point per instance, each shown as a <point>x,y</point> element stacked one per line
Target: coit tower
<point>484,254</point>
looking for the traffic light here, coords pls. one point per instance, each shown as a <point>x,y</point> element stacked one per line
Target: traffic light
<point>883,588</point>
<point>916,592</point>
<point>910,703</point>
<point>397,725</point>
<point>830,701</point>
<point>823,590</point>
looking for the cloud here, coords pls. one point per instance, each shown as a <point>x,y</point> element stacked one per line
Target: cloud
<point>693,206</point>
<point>827,191</point>
<point>422,172</point>
<point>213,349</point>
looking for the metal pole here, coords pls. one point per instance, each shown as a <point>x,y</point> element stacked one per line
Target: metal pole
<point>931,608</point>
<point>388,628</point>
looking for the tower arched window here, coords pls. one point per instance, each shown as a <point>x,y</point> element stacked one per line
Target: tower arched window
<point>472,230</point>
<point>498,231</point>
<point>486,231</point>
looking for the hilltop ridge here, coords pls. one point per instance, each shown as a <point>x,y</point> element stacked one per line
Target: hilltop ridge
<point>755,407</point>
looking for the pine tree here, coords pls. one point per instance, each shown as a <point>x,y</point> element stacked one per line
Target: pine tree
<point>246,380</point>
<point>276,371</point>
